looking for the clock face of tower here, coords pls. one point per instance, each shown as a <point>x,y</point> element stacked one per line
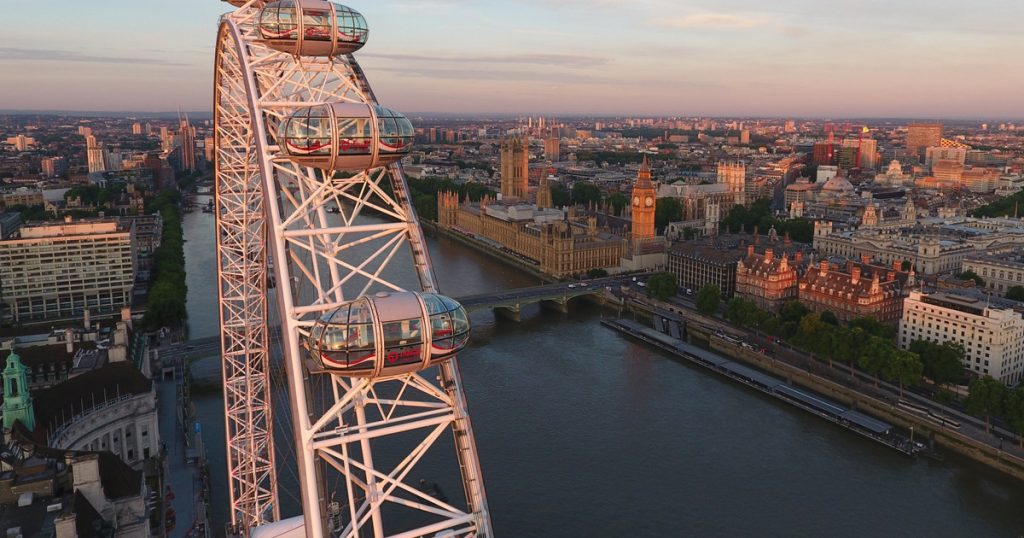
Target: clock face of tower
<point>636,200</point>
<point>649,201</point>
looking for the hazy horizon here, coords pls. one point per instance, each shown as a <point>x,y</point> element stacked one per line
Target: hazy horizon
<point>711,58</point>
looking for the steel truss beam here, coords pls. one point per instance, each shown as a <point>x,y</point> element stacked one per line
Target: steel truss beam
<point>335,237</point>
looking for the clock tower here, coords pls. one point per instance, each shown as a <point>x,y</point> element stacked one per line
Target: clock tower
<point>643,200</point>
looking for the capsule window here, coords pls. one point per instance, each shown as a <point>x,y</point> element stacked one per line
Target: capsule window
<point>316,25</point>
<point>402,342</point>
<point>354,137</point>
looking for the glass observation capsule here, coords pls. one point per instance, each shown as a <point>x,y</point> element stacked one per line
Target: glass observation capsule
<point>312,28</point>
<point>388,334</point>
<point>345,136</point>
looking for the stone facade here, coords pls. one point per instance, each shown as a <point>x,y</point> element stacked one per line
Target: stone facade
<point>992,335</point>
<point>560,245</point>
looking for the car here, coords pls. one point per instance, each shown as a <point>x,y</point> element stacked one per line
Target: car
<point>572,286</point>
<point>641,284</point>
<point>190,348</point>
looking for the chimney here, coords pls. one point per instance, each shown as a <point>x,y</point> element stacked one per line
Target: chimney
<point>69,340</point>
<point>824,267</point>
<point>750,250</point>
<point>86,320</point>
<point>896,265</point>
<point>769,255</point>
<point>855,275</point>
<point>126,316</point>
<point>799,257</point>
<point>890,276</point>
<point>865,259</point>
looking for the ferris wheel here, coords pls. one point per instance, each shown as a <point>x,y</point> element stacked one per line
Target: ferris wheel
<point>308,175</point>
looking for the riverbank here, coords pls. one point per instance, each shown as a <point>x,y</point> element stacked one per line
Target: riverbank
<point>491,251</point>
<point>851,420</point>
<point>881,400</point>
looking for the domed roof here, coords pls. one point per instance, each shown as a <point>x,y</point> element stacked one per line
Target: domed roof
<point>837,185</point>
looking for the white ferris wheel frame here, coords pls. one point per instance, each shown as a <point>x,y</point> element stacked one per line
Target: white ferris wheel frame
<point>271,208</point>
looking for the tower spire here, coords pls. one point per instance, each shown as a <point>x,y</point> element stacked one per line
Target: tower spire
<point>17,398</point>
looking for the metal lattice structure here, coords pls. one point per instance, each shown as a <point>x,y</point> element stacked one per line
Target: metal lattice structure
<point>334,237</point>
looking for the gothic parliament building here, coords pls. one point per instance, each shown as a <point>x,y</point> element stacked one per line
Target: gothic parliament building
<point>561,242</point>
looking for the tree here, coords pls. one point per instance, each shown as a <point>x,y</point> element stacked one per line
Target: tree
<point>1015,412</point>
<point>708,298</point>
<point>873,327</point>
<point>874,356</point>
<point>830,318</point>
<point>848,343</point>
<point>661,286</point>
<point>986,397</point>
<point>793,311</point>
<point>618,202</point>
<point>559,196</point>
<point>736,311</point>
<point>906,266</point>
<point>943,363</point>
<point>597,273</point>
<point>584,193</point>
<point>904,367</point>
<point>971,275</point>
<point>815,335</point>
<point>667,210</point>
<point>1015,293</point>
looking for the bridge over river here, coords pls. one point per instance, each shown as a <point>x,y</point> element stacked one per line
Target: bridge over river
<point>505,303</point>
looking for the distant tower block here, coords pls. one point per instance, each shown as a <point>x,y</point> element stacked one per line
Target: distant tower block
<point>552,145</point>
<point>515,167</point>
<point>643,205</point>
<point>734,175</point>
<point>544,192</point>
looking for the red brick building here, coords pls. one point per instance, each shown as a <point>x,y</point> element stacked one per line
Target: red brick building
<point>853,291</point>
<point>769,279</point>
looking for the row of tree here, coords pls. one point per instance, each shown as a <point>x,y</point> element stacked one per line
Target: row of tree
<point>1002,207</point>
<point>759,215</point>
<point>989,397</point>
<point>869,345</point>
<point>167,294</point>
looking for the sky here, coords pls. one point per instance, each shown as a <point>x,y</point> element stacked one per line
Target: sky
<point>786,58</point>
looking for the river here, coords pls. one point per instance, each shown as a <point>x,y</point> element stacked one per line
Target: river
<point>582,432</point>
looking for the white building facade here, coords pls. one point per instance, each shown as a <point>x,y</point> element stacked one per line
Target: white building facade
<point>992,337</point>
<point>59,270</point>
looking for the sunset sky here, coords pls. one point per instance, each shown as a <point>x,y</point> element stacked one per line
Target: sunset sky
<point>877,58</point>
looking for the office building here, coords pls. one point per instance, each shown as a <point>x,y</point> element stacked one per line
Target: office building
<point>1000,273</point>
<point>923,135</point>
<point>54,166</point>
<point>57,270</point>
<point>992,334</point>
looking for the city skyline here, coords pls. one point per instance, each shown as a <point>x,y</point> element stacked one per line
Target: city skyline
<point>733,58</point>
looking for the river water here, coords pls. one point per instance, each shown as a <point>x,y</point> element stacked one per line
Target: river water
<point>582,432</point>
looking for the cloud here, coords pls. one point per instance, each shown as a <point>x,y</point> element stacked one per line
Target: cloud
<point>52,55</point>
<point>559,60</point>
<point>713,21</point>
